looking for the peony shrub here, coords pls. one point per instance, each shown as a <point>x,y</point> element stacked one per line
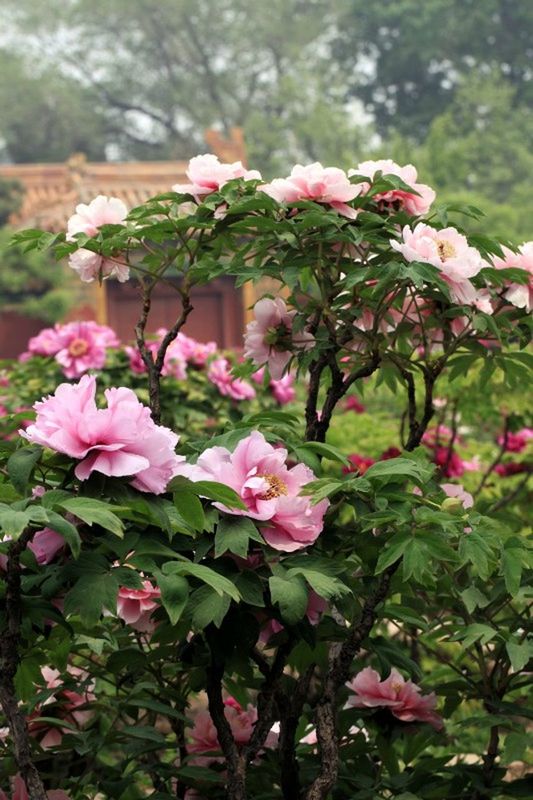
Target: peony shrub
<point>205,595</point>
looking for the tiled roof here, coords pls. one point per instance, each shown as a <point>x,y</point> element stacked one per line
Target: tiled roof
<point>53,190</point>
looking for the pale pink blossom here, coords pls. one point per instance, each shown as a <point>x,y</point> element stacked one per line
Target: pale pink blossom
<point>518,294</point>
<point>258,472</point>
<point>121,440</point>
<point>415,204</point>
<point>174,364</point>
<point>135,606</point>
<point>88,219</point>
<point>207,174</point>
<point>194,352</point>
<point>283,390</point>
<point>449,251</point>
<point>269,338</point>
<point>219,374</point>
<point>328,185</point>
<point>90,266</point>
<point>403,698</point>
<point>82,346</point>
<point>205,738</point>
<point>456,490</point>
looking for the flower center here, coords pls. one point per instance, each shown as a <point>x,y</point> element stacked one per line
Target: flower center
<point>78,347</point>
<point>445,249</point>
<point>397,688</point>
<point>276,487</point>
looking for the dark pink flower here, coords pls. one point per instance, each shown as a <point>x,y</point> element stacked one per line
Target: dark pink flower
<point>401,697</point>
<point>450,463</point>
<point>511,468</point>
<point>328,185</point>
<point>354,404</point>
<point>283,390</point>
<point>516,442</point>
<point>358,464</point>
<point>258,472</point>
<point>121,440</point>
<point>391,452</point>
<point>45,545</point>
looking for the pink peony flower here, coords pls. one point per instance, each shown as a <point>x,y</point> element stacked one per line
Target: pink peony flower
<point>204,734</point>
<point>416,204</point>
<point>458,491</point>
<point>401,697</point>
<point>358,464</point>
<point>269,339</point>
<point>283,390</point>
<point>449,251</point>
<point>219,374</point>
<point>45,545</point>
<point>120,440</point>
<point>135,606</point>
<point>46,343</point>
<point>328,185</point>
<point>88,219</point>
<point>82,346</point>
<point>68,705</point>
<point>438,435</point>
<point>518,294</point>
<point>194,352</point>
<point>207,175</point>
<point>174,364</point>
<point>270,490</point>
<point>516,442</point>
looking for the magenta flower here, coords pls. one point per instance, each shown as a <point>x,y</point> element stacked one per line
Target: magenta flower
<point>135,606</point>
<point>283,390</point>
<point>401,697</point>
<point>518,294</point>
<point>88,219</point>
<point>46,343</point>
<point>328,185</point>
<point>121,440</point>
<point>270,490</point>
<point>269,339</point>
<point>219,374</point>
<point>449,251</point>
<point>358,464</point>
<point>82,346</point>
<point>206,175</point>
<point>516,442</point>
<point>411,203</point>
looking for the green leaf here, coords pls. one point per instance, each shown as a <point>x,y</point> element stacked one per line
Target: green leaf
<point>475,633</point>
<point>218,582</point>
<point>515,746</point>
<point>218,492</point>
<point>13,522</point>
<point>208,606</point>
<point>174,594</point>
<point>251,588</point>
<point>512,564</point>
<point>91,594</point>
<point>68,531</point>
<point>93,511</point>
<point>324,450</point>
<point>21,464</point>
<point>473,598</point>
<point>233,535</point>
<point>324,585</point>
<point>396,470</point>
<point>291,596</point>
<point>393,551</point>
<point>519,653</point>
<point>191,509</point>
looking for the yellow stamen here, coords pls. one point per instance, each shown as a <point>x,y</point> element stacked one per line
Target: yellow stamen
<point>277,487</point>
